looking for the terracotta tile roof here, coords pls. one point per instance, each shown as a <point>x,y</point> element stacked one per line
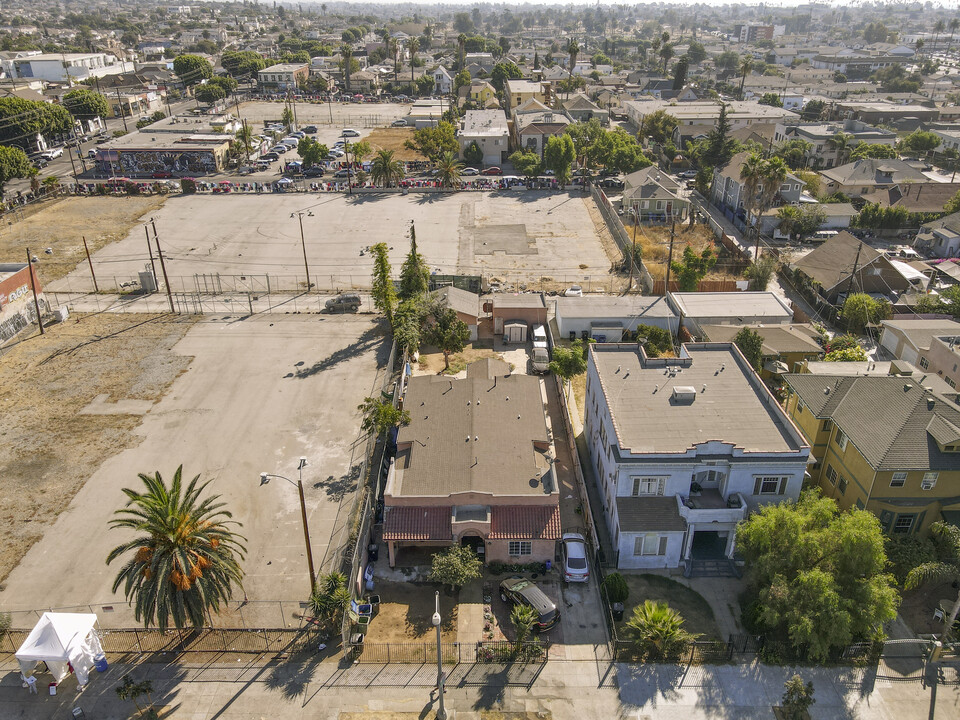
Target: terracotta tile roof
<point>417,523</point>
<point>525,522</point>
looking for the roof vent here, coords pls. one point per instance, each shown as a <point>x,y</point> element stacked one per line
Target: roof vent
<point>826,391</point>
<point>906,387</point>
<point>684,394</point>
<point>931,403</point>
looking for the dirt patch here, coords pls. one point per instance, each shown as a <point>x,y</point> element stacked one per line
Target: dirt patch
<point>62,225</point>
<point>405,611</point>
<point>47,448</point>
<point>917,607</point>
<point>394,139</point>
<point>431,360</point>
<point>603,232</point>
<point>695,610</point>
<point>654,242</point>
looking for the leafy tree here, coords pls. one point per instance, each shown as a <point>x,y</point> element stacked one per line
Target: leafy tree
<point>658,126</point>
<point>720,148</point>
<point>789,217</point>
<point>380,415</point>
<point>920,142</point>
<point>14,164</point>
<point>455,566</point>
<point>22,120</point>
<point>286,117</point>
<point>330,599</point>
<point>558,155</point>
<point>523,617</point>
<point>384,292</point>
<point>817,575</point>
<point>185,556</point>
<point>83,103</point>
<point>772,99</point>
<point>860,310</point>
<point>617,589</point>
<point>658,630</point>
<point>449,169</point>
<point>855,354</point>
<point>812,110</point>
<point>461,79</point>
<point>692,268</point>
<point>408,323</point>
<point>727,62</point>
<point>797,697</point>
<point>447,332</point>
<point>243,63</point>
<point>311,151</point>
<point>527,163</point>
<point>751,345</point>
<point>617,150</point>
<point>472,154</point>
<point>794,153</point>
<point>567,363</point>
<point>680,72</point>
<point>385,171</point>
<point>209,94</point>
<point>906,552</point>
<point>414,274</point>
<point>503,71</point>
<point>946,566</point>
<point>432,142</point>
<point>192,69</point>
<point>226,83</point>
<point>696,52</point>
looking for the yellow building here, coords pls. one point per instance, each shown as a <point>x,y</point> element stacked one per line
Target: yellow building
<point>785,347</point>
<point>882,443</point>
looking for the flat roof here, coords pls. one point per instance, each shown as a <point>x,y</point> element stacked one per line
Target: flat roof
<point>730,304</point>
<point>166,141</point>
<point>640,306</point>
<point>731,404</point>
<point>9,269</point>
<point>285,67</point>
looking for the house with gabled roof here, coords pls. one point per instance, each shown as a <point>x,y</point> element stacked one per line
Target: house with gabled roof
<point>580,109</point>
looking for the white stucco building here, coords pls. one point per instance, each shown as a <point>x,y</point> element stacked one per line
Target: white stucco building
<point>59,67</point>
<point>683,449</point>
<point>487,128</point>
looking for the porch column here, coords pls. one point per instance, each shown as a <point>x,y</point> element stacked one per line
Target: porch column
<point>392,552</point>
<point>688,549</point>
<point>731,541</point>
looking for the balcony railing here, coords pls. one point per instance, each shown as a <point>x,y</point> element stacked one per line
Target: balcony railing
<point>710,506</point>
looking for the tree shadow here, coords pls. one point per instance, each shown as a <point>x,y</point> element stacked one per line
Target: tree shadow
<point>370,338</point>
<point>339,488</point>
<point>648,685</point>
<point>428,198</point>
<point>291,676</point>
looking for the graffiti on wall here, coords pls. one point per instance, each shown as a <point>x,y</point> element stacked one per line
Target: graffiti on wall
<point>135,162</point>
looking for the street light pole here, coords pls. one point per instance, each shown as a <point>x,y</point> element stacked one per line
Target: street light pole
<point>265,478</point>
<point>303,244</point>
<point>441,712</point>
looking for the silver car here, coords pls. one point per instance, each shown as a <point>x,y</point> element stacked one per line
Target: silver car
<point>575,568</point>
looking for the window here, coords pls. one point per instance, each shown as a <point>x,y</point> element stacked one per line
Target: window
<point>898,480</point>
<point>860,505</point>
<point>519,547</point>
<point>904,523</point>
<point>649,544</point>
<point>923,363</point>
<point>950,382</point>
<point>831,475</point>
<point>648,485</point>
<point>800,406</point>
<point>769,485</point>
<point>827,424</point>
<point>841,439</point>
<point>929,481</point>
<point>842,486</point>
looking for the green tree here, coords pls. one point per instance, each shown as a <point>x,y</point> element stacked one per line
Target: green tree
<point>680,72</point>
<point>751,345</point>
<point>14,164</point>
<point>617,150</point>
<point>812,110</point>
<point>860,310</point>
<point>789,217</point>
<point>22,120</point>
<point>209,94</point>
<point>696,52</point>
<point>83,103</point>
<point>380,415</point>
<point>567,363</point>
<point>573,49</point>
<point>797,698</point>
<point>617,589</point>
<point>920,142</point>
<point>286,117</point>
<point>794,153</point>
<point>658,126</point>
<point>226,83</point>
<point>311,151</point>
<point>449,169</point>
<point>727,63</point>
<point>523,618</point>
<point>192,69</point>
<point>455,566</point>
<point>503,71</point>
<point>906,552</point>
<point>817,575</point>
<point>461,79</point>
<point>558,155</point>
<point>527,163</point>
<point>472,154</point>
<point>433,142</point>
<point>772,99</point>
<point>186,554</point>
<point>330,599</point>
<point>243,63</point>
<point>945,568</point>
<point>408,324</point>
<point>384,292</point>
<point>656,341</point>
<point>658,630</point>
<point>720,148</point>
<point>692,268</point>
<point>385,171</point>
<point>854,354</point>
<point>746,65</point>
<point>447,332</point>
<point>414,274</point>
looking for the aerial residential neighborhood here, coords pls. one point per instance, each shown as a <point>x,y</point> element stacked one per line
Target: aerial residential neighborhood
<point>422,360</point>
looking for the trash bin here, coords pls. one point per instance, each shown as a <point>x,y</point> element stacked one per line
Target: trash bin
<point>100,662</point>
<point>618,611</point>
<point>373,552</point>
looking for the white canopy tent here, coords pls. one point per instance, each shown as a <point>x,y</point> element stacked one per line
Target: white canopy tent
<point>62,640</point>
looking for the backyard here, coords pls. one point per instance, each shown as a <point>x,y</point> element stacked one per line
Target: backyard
<point>405,613</point>
<point>654,243</point>
<point>695,610</point>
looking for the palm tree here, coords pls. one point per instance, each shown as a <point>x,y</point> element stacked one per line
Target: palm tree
<point>384,170</point>
<point>523,617</point>
<point>346,52</point>
<point>393,48</point>
<point>658,630</point>
<point>938,28</point>
<point>186,555</point>
<point>573,50</point>
<point>746,65</point>
<point>331,598</point>
<point>790,217</point>
<point>761,183</point>
<point>448,169</point>
<point>919,46</point>
<point>946,539</point>
<point>954,24</point>
<point>414,47</point>
<point>461,51</point>
<point>840,142</point>
<point>666,52</point>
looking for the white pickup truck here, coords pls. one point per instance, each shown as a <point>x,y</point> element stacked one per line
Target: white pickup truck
<point>52,153</point>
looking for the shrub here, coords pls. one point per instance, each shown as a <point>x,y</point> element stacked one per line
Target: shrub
<point>905,552</point>
<point>658,340</point>
<point>617,589</point>
<point>188,185</point>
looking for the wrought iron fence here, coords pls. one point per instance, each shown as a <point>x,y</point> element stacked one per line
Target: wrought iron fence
<point>494,651</point>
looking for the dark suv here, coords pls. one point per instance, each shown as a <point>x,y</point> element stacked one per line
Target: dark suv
<point>345,302</point>
<point>520,591</point>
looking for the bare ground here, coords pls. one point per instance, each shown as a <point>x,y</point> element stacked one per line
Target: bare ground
<point>654,242</point>
<point>62,224</point>
<point>393,139</point>
<point>603,232</point>
<point>47,448</point>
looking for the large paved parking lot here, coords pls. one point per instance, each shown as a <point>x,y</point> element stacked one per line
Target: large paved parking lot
<point>258,394</point>
<point>508,235</point>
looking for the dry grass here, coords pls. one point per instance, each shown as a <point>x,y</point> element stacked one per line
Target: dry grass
<point>654,242</point>
<point>393,139</point>
<point>431,359</point>
<point>48,448</point>
<point>61,226</point>
<point>405,612</point>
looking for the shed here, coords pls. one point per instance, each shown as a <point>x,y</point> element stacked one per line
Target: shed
<point>528,307</point>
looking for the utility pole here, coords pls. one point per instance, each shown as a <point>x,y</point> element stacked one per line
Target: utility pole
<point>33,286</point>
<point>303,244</point>
<point>90,263</point>
<point>666,287</point>
<point>163,266</point>
<point>153,266</point>
<point>633,254</point>
<point>122,114</point>
<point>856,261</point>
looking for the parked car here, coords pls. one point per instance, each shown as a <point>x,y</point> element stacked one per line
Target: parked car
<point>573,291</point>
<point>492,171</point>
<point>162,174</point>
<point>40,162</point>
<point>612,183</point>
<point>342,174</point>
<point>279,149</point>
<point>575,558</point>
<point>52,153</point>
<point>469,171</point>
<point>314,171</point>
<point>310,130</point>
<point>687,174</point>
<point>345,302</point>
<point>398,123</point>
<point>299,135</point>
<point>541,360</point>
<point>91,153</point>
<point>349,132</point>
<point>270,156</point>
<point>520,591</point>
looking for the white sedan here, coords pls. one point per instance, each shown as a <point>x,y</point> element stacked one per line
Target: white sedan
<point>575,567</point>
<point>573,291</point>
<point>469,171</point>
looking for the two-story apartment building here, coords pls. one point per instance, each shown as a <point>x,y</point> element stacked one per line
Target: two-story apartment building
<point>283,76</point>
<point>824,153</point>
<point>517,92</point>
<point>884,444</point>
<point>489,130</point>
<point>727,190</point>
<point>683,449</point>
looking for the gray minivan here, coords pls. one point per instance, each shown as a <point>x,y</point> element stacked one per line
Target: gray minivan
<point>344,302</point>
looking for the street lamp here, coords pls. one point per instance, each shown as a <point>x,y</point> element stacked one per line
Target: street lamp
<point>303,244</point>
<point>441,712</point>
<point>264,479</point>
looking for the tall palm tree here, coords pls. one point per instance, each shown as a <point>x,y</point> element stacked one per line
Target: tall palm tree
<point>938,28</point>
<point>840,142</point>
<point>185,556</point>
<point>946,539</point>
<point>954,24</point>
<point>393,49</point>
<point>414,47</point>
<point>461,51</point>
<point>346,52</point>
<point>746,65</point>
<point>384,170</point>
<point>761,183</point>
<point>449,169</point>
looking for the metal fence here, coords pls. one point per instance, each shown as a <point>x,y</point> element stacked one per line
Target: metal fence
<point>495,651</point>
<point>620,236</point>
<point>257,285</point>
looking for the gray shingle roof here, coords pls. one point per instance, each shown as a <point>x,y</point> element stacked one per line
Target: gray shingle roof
<point>832,262</point>
<point>869,171</point>
<point>640,514</point>
<point>776,338</point>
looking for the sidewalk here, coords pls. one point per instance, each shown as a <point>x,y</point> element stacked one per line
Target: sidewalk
<point>306,688</point>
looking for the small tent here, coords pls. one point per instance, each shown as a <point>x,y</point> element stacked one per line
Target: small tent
<point>62,640</point>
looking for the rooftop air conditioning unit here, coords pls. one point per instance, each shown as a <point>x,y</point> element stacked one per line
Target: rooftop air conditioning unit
<point>684,394</point>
